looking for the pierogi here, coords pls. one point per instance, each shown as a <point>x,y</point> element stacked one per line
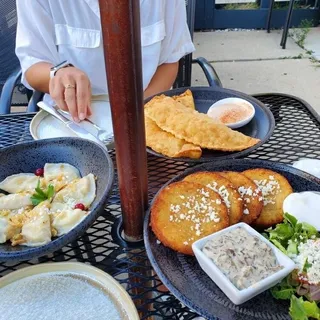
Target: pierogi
<point>21,182</point>
<point>60,174</point>
<point>34,209</point>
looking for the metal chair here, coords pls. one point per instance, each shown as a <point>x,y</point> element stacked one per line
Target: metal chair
<point>185,64</point>
<point>12,92</point>
<point>287,23</point>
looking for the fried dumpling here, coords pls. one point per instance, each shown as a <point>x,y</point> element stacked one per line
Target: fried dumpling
<point>66,220</point>
<point>60,174</point>
<point>194,127</point>
<point>167,144</point>
<point>15,201</point>
<point>20,182</point>
<point>186,98</point>
<point>36,230</point>
<point>79,191</point>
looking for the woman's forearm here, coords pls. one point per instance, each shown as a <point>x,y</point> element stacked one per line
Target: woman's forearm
<point>163,79</point>
<point>38,76</point>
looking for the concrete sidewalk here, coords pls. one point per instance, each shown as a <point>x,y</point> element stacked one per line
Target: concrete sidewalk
<point>254,62</point>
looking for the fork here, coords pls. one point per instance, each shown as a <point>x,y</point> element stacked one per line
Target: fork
<point>101,133</point>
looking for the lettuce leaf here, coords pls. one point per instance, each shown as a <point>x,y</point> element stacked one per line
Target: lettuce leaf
<point>296,310</point>
<point>303,310</point>
<point>282,293</point>
<point>287,237</point>
<point>282,231</point>
<point>288,218</point>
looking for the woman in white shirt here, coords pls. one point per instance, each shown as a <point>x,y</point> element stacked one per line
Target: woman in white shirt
<point>50,32</point>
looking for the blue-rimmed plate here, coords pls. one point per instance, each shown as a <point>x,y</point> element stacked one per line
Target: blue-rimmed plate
<point>260,127</point>
<point>183,276</point>
<point>27,157</point>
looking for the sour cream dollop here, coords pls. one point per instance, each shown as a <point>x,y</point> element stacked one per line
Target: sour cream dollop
<point>304,206</point>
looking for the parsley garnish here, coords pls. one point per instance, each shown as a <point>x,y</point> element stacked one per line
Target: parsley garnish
<point>42,195</point>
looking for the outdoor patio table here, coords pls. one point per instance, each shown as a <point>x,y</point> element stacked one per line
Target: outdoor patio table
<point>297,135</point>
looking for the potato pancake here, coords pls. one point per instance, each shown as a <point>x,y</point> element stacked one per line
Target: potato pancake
<point>183,212</point>
<point>250,194</point>
<point>275,188</point>
<point>223,186</point>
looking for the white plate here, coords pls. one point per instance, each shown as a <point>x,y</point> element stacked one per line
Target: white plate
<point>45,126</point>
<point>114,290</point>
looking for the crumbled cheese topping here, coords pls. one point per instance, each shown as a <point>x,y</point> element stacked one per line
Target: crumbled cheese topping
<point>223,192</point>
<point>246,211</point>
<point>248,193</point>
<point>269,188</point>
<point>197,209</point>
<point>310,251</point>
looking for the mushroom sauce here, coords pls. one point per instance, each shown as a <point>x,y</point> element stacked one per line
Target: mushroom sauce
<point>242,257</point>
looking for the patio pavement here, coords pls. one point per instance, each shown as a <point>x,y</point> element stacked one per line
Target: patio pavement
<point>254,62</point>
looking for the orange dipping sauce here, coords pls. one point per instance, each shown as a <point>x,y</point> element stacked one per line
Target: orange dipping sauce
<point>230,113</point>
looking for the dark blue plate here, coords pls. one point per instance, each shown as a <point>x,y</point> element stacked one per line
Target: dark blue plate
<point>261,126</point>
<point>183,276</point>
<point>85,155</point>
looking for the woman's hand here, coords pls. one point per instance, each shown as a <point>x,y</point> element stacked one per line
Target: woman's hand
<point>71,90</point>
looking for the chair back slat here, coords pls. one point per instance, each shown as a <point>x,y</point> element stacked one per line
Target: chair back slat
<point>185,64</point>
<point>8,59</point>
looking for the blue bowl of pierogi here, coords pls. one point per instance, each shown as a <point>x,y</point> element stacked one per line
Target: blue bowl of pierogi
<point>51,192</point>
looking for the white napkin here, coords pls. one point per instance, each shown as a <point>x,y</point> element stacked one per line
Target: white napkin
<point>101,112</point>
<point>311,166</point>
<point>50,127</point>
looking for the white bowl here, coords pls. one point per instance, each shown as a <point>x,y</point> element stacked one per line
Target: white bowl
<point>235,295</point>
<point>237,101</point>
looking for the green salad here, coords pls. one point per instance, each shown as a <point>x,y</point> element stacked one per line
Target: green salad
<point>301,242</point>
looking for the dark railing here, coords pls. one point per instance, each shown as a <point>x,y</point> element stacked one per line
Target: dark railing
<point>208,17</point>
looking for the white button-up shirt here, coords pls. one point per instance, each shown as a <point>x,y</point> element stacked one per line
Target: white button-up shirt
<point>57,30</point>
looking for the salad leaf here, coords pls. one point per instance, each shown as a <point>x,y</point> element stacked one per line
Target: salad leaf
<point>312,309</point>
<point>42,195</point>
<point>282,231</point>
<point>292,247</point>
<point>288,218</point>
<point>314,293</point>
<point>279,246</point>
<point>287,237</point>
<point>303,310</point>
<point>283,290</point>
<point>296,310</point>
<point>306,265</point>
<point>309,229</point>
<point>282,293</point>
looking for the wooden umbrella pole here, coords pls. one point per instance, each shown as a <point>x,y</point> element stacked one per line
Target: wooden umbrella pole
<point>120,20</point>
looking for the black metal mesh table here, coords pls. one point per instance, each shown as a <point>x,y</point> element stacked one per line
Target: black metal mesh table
<point>297,135</point>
